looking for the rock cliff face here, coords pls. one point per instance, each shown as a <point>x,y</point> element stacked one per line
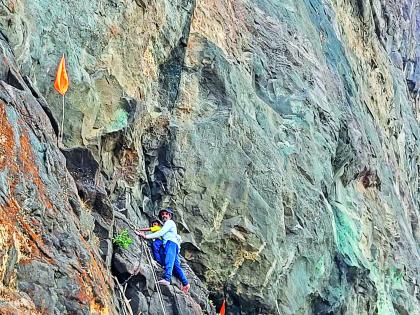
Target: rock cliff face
<point>284,133</point>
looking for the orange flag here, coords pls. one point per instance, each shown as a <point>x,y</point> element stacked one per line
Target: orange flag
<point>223,308</point>
<point>61,83</point>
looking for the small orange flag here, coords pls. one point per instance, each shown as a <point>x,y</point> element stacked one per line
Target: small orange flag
<point>61,83</point>
<point>223,308</point>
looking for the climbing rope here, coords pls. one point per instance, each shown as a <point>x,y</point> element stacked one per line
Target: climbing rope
<point>150,259</point>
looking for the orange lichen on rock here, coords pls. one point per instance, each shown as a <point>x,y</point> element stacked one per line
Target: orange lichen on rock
<point>88,295</point>
<point>84,295</point>
<point>17,236</point>
<point>30,169</point>
<point>25,165</point>
<point>93,284</point>
<point>11,235</point>
<point>96,271</point>
<point>13,240</point>
<point>99,305</point>
<point>96,308</point>
<point>15,303</point>
<point>36,242</point>
<point>92,280</point>
<point>7,141</point>
<point>11,220</point>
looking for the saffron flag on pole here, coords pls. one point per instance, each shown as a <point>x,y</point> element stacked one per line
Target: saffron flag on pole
<point>61,83</point>
<point>223,308</point>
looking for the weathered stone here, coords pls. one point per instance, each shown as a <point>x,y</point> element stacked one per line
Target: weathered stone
<point>41,296</point>
<point>39,232</point>
<point>138,302</point>
<point>284,133</point>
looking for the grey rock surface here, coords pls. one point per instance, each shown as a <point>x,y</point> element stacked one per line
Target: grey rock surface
<point>284,133</point>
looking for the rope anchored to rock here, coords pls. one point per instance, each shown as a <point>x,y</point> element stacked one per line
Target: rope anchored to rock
<point>149,259</point>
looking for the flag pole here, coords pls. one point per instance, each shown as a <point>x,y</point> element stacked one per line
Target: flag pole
<point>62,123</point>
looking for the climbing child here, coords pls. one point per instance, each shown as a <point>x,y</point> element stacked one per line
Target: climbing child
<point>157,243</point>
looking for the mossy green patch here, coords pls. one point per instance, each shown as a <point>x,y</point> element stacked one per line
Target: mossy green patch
<point>119,121</point>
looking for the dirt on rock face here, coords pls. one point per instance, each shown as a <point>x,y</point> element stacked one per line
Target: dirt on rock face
<point>285,134</point>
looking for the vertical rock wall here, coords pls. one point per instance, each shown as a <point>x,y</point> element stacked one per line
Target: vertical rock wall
<point>49,260</point>
<point>285,134</point>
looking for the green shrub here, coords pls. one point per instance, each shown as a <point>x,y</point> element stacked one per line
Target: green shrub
<point>123,239</point>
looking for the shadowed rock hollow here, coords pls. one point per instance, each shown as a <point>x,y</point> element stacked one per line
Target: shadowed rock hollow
<point>284,133</point>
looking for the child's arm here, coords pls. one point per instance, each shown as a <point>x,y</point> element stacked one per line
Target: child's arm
<point>142,230</point>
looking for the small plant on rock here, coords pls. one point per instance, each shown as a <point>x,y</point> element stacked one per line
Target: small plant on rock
<point>123,239</point>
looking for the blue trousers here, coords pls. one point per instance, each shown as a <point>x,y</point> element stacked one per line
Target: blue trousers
<point>158,251</point>
<point>173,263</point>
